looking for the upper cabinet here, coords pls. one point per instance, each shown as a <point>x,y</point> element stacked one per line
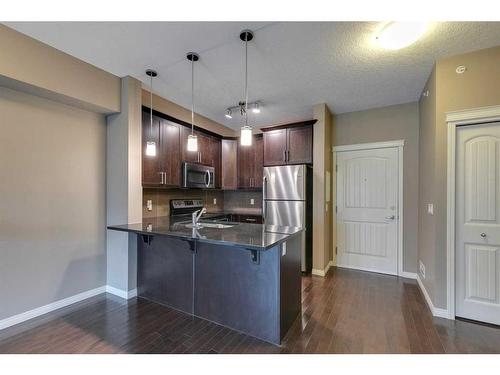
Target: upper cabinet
<point>162,169</point>
<point>250,164</point>
<point>229,156</point>
<point>289,144</point>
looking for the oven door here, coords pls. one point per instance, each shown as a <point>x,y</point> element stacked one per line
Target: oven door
<point>197,176</point>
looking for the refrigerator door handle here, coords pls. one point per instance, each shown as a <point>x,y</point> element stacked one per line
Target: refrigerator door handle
<point>264,191</point>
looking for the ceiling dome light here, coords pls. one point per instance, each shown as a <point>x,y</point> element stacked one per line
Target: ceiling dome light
<point>229,113</point>
<point>397,35</point>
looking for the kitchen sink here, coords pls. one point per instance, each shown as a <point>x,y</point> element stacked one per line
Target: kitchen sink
<point>202,225</point>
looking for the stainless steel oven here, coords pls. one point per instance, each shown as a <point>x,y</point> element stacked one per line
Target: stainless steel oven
<point>197,176</point>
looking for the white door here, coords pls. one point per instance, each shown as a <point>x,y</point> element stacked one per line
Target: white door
<point>477,273</point>
<point>367,210</point>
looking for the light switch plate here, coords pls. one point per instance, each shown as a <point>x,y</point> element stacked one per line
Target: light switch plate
<point>215,200</point>
<point>430,209</point>
<point>252,201</point>
<point>149,205</point>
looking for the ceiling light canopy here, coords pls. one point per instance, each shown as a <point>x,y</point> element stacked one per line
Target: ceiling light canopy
<point>397,35</point>
<point>229,113</point>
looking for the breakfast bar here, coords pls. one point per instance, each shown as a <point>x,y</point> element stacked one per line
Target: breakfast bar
<point>244,276</point>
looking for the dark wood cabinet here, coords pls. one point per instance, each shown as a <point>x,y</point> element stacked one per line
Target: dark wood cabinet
<point>250,165</point>
<point>164,168</point>
<point>300,141</point>
<point>289,144</point>
<point>275,147</point>
<point>151,165</point>
<point>229,159</point>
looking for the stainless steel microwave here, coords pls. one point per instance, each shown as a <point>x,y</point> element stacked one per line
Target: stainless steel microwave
<point>197,176</point>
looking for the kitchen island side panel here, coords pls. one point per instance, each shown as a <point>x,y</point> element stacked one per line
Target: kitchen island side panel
<point>290,282</point>
<point>165,271</point>
<point>233,290</point>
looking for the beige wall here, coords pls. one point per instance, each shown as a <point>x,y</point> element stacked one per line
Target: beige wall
<point>52,201</point>
<point>34,67</point>
<point>170,108</point>
<point>477,87</point>
<point>322,210</point>
<point>385,124</point>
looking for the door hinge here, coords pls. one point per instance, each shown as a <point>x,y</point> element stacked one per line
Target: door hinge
<point>336,168</point>
<point>336,250</point>
<point>336,209</point>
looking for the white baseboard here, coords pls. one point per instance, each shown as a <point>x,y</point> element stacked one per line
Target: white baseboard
<point>322,273</point>
<point>121,293</point>
<point>19,318</point>
<point>436,311</point>
<point>408,275</point>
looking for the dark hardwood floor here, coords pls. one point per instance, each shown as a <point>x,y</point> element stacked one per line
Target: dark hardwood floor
<point>345,312</point>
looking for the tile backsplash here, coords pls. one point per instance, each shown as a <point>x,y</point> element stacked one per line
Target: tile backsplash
<point>227,201</point>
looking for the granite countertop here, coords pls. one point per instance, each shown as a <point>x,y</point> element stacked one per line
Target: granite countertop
<point>254,236</point>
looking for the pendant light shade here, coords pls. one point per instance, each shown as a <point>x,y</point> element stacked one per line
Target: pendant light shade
<point>192,141</point>
<point>151,145</point>
<point>246,130</point>
<point>246,136</point>
<point>151,149</point>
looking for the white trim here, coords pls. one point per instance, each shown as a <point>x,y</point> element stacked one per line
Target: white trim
<point>19,318</point>
<point>453,119</point>
<point>436,311</point>
<point>475,115</point>
<point>408,275</point>
<point>366,269</point>
<point>399,144</point>
<point>368,146</point>
<point>322,273</point>
<point>22,317</point>
<point>121,293</point>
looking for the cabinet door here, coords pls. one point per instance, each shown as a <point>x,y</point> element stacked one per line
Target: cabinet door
<point>245,166</point>
<point>215,157</point>
<point>275,147</point>
<point>170,152</point>
<point>204,148</point>
<point>151,165</point>
<point>299,148</point>
<point>188,156</point>
<point>258,151</point>
<point>229,158</point>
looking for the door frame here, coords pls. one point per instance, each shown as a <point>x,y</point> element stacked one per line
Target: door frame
<point>474,116</point>
<point>399,144</point>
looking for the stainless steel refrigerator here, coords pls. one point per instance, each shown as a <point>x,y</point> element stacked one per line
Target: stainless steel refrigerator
<point>287,201</point>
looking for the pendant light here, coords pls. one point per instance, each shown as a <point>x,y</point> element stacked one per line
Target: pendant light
<point>246,130</point>
<point>151,145</point>
<point>192,142</point>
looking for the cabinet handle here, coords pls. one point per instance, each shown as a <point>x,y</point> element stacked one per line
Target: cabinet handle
<point>284,156</point>
<point>288,156</point>
<point>250,220</point>
<point>161,175</point>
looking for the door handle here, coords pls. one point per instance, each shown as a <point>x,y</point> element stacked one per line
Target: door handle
<point>392,217</point>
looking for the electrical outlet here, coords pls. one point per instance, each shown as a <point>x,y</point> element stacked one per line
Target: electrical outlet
<point>252,201</point>
<point>215,201</point>
<point>149,205</point>
<point>430,209</point>
<point>422,268</point>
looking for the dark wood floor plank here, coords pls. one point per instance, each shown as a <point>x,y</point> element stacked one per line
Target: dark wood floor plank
<point>345,312</point>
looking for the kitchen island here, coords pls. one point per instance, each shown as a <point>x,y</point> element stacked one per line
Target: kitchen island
<point>244,276</point>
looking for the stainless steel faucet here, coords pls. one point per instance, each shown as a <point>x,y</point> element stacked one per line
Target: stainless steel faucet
<point>196,216</point>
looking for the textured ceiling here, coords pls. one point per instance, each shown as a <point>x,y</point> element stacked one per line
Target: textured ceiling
<point>292,65</point>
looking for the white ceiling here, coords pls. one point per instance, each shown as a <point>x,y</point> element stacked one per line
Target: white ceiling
<point>292,65</point>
